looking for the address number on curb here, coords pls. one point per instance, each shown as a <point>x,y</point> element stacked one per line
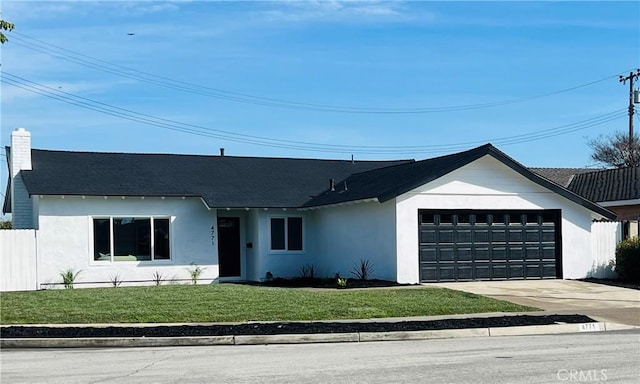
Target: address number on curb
<point>589,327</point>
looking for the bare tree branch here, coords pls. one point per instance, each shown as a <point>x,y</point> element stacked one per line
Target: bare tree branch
<point>616,150</point>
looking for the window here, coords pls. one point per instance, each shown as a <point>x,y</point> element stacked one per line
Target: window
<point>131,239</point>
<point>464,218</point>
<point>286,234</point>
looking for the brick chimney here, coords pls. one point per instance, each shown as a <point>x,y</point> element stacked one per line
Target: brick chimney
<point>20,160</point>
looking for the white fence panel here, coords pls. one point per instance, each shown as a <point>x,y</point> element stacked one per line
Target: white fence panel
<point>604,238</point>
<point>18,260</point>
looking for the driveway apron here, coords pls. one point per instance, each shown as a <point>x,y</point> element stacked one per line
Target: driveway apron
<point>599,301</point>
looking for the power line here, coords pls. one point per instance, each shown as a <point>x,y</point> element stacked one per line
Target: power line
<point>182,86</point>
<point>193,129</point>
<point>631,78</point>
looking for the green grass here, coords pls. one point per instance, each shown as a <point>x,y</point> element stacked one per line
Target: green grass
<point>234,303</point>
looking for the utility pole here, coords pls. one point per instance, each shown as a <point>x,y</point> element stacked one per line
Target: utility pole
<point>631,78</point>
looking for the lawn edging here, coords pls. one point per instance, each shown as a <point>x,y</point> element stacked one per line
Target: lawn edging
<point>351,337</point>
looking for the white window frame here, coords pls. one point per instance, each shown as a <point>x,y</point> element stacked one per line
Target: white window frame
<point>286,234</point>
<point>112,244</point>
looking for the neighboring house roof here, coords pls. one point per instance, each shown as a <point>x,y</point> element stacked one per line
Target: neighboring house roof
<point>561,176</point>
<point>222,181</point>
<point>387,183</point>
<point>252,182</point>
<point>608,185</point>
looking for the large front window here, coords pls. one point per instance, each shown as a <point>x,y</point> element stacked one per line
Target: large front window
<point>131,239</point>
<point>286,234</point>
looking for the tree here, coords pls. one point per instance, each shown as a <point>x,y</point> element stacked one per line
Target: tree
<point>5,26</point>
<point>616,150</point>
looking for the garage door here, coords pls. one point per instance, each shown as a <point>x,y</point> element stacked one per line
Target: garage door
<point>458,245</point>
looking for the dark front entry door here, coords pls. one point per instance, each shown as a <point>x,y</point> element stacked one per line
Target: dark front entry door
<point>229,246</point>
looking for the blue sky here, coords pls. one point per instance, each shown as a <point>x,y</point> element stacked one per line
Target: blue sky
<point>289,75</point>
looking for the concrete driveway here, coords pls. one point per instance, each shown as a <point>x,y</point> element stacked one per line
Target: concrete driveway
<point>601,302</point>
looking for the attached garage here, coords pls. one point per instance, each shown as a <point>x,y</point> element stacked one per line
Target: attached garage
<point>464,245</point>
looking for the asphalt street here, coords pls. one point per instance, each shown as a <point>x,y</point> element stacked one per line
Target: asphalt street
<point>584,357</point>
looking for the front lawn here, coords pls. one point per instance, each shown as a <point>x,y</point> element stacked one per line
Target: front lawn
<point>235,303</point>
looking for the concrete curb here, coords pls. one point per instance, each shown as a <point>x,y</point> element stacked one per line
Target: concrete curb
<point>353,337</point>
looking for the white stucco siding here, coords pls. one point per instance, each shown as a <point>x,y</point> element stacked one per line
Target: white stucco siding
<point>252,246</point>
<point>65,238</point>
<point>349,233</point>
<point>488,184</point>
<point>283,264</point>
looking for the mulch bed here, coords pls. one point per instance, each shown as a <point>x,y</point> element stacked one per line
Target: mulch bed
<point>317,282</point>
<point>614,282</point>
<point>10,332</point>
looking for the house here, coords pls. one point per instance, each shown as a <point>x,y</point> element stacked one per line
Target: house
<point>473,215</point>
<point>616,189</point>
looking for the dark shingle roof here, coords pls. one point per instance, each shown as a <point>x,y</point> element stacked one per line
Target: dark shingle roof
<point>252,182</point>
<point>221,181</point>
<point>389,182</point>
<point>608,185</point>
<point>561,176</point>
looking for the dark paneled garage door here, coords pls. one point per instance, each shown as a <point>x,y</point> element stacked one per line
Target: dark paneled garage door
<point>458,245</point>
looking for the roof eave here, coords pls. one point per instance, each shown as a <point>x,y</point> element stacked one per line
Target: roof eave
<point>475,154</point>
<point>338,204</point>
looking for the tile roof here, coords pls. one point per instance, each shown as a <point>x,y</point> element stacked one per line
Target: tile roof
<point>608,185</point>
<point>561,176</point>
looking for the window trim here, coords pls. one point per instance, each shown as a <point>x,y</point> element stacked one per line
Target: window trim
<point>111,219</point>
<point>286,235</point>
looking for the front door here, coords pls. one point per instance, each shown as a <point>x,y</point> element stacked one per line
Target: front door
<point>229,246</point>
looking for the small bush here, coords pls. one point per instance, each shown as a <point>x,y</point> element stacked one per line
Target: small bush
<point>363,270</point>
<point>115,280</point>
<point>69,277</point>
<point>308,271</point>
<point>628,259</point>
<point>157,278</point>
<point>195,271</point>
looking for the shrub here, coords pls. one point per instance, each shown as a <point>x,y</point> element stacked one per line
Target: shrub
<point>157,278</point>
<point>628,259</point>
<point>195,271</point>
<point>363,270</point>
<point>69,277</point>
<point>308,271</point>
<point>115,280</point>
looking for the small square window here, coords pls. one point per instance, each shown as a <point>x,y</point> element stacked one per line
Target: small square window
<point>446,218</point>
<point>286,234</point>
<point>548,218</point>
<point>427,218</point>
<point>482,218</point>
<point>464,218</point>
<point>532,218</point>
<point>515,219</point>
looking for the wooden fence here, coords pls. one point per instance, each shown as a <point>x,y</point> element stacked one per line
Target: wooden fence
<point>18,258</point>
<point>605,236</point>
